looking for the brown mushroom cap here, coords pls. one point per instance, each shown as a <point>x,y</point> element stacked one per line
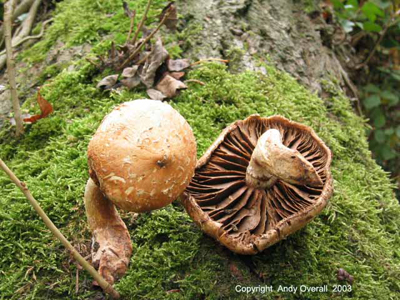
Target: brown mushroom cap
<point>244,218</point>
<point>143,155</point>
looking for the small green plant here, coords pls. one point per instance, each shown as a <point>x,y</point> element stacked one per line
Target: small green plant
<point>374,27</point>
<point>371,16</point>
<point>380,104</point>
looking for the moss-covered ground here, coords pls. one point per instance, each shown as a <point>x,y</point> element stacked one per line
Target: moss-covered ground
<point>172,258</point>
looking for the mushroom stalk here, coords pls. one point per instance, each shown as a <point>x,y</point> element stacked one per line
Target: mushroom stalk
<point>271,160</point>
<point>111,247</point>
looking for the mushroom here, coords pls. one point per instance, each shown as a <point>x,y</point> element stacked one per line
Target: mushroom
<point>141,158</point>
<point>261,180</point>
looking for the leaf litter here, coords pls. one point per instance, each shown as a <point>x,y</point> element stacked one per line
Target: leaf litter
<point>146,63</point>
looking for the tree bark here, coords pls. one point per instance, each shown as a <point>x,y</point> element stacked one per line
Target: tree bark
<point>248,32</point>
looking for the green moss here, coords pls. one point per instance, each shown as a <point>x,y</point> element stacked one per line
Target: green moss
<point>172,258</point>
<point>185,36</point>
<point>235,56</point>
<point>49,72</point>
<point>309,5</point>
<point>86,21</point>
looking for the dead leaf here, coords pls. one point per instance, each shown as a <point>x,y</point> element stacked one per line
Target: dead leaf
<point>131,82</point>
<point>143,57</point>
<point>129,72</point>
<point>169,86</point>
<point>176,65</point>
<point>45,107</point>
<point>131,79</point>
<point>107,82</point>
<point>156,58</point>
<point>172,18</point>
<point>155,95</point>
<point>129,12</point>
<point>177,75</point>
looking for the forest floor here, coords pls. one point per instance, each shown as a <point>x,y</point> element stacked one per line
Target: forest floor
<point>172,258</point>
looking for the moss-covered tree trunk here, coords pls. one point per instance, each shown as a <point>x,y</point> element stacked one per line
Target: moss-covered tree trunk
<point>172,258</point>
<point>286,34</point>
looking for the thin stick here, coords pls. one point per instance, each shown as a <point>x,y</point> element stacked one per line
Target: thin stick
<point>143,59</point>
<point>141,22</point>
<point>124,64</point>
<point>22,8</point>
<point>389,24</point>
<point>9,6</point>
<point>353,90</point>
<point>371,54</point>
<point>131,27</point>
<point>31,36</point>
<point>22,186</point>
<point>209,59</point>
<point>77,279</point>
<point>195,81</point>
<point>26,28</point>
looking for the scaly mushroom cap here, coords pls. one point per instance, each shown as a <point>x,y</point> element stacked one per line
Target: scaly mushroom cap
<point>245,214</point>
<point>143,155</point>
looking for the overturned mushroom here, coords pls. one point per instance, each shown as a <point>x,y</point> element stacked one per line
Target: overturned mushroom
<point>261,180</point>
<point>141,158</point>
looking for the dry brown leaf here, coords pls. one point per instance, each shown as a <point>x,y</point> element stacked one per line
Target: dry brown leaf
<point>155,95</point>
<point>156,58</point>
<point>131,82</point>
<point>176,65</point>
<point>45,107</point>
<point>108,82</point>
<point>169,86</point>
<point>129,72</point>
<point>172,18</point>
<point>177,75</point>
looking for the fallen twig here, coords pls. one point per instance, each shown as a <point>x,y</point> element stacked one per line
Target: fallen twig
<point>88,267</point>
<point>131,27</point>
<point>93,62</point>
<point>143,59</point>
<point>139,47</point>
<point>195,81</point>
<point>77,279</point>
<point>209,59</point>
<point>27,38</point>
<point>9,6</point>
<point>353,90</point>
<point>141,22</point>
<point>26,28</point>
<point>21,8</point>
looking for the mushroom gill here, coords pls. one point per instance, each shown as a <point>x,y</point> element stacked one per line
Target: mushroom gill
<point>248,218</point>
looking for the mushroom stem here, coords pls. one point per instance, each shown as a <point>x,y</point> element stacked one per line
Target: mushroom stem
<point>271,160</point>
<point>111,247</point>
